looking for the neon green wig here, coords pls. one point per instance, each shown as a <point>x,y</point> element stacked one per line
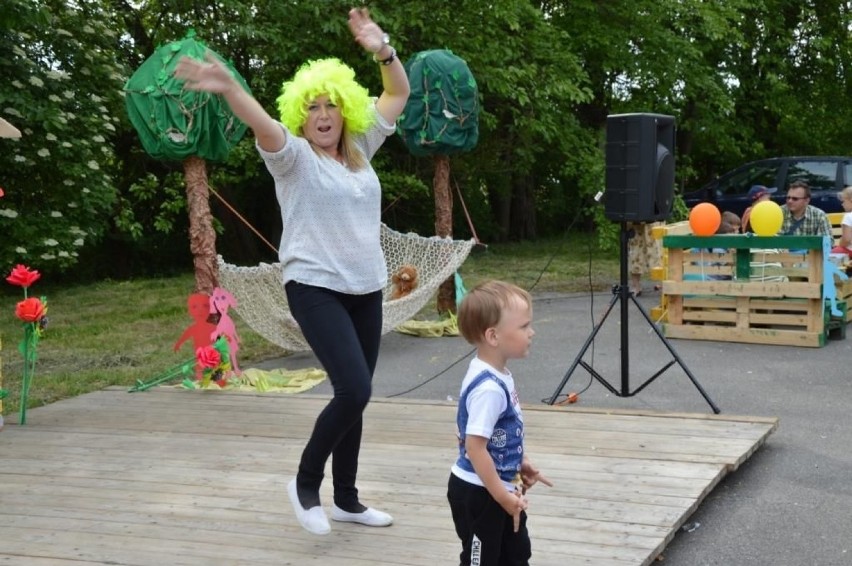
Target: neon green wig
<point>325,76</point>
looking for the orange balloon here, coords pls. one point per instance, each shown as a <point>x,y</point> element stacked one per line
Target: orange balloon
<point>704,219</point>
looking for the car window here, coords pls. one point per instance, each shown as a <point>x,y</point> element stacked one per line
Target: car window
<point>820,175</point>
<point>848,174</point>
<point>740,181</point>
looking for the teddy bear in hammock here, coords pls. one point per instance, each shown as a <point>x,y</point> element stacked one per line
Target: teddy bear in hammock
<point>404,281</point>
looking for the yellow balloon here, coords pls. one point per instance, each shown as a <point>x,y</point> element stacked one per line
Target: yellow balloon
<point>766,218</point>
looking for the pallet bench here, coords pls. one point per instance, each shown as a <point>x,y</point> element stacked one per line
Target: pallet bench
<point>756,292</point>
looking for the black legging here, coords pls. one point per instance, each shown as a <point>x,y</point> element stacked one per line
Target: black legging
<point>344,332</point>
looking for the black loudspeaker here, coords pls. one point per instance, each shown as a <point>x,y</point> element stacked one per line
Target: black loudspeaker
<point>639,167</point>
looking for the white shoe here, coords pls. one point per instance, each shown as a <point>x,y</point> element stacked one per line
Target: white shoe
<point>312,520</point>
<point>371,517</point>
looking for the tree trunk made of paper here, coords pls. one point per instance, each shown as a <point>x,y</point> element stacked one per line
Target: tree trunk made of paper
<point>202,236</point>
<point>178,124</point>
<point>446,301</point>
<point>441,118</point>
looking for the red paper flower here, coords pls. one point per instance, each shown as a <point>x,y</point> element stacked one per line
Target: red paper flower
<point>1,192</point>
<point>30,310</point>
<point>23,276</point>
<point>208,357</point>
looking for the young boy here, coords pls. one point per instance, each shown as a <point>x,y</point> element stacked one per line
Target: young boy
<point>488,481</point>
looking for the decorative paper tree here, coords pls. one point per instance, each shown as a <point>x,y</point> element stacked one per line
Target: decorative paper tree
<point>441,118</point>
<point>178,124</point>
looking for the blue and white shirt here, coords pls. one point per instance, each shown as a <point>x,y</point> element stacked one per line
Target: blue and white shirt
<point>489,407</point>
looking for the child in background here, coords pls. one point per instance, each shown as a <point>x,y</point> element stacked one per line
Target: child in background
<point>844,246</point>
<point>730,224</point>
<point>758,193</point>
<point>492,473</point>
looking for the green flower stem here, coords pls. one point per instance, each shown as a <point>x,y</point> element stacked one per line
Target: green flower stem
<point>28,348</point>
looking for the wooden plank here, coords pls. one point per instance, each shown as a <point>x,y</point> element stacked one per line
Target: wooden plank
<point>753,336</point>
<point>775,289</point>
<point>742,241</point>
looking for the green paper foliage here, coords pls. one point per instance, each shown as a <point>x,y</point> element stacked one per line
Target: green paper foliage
<point>441,116</point>
<point>174,123</point>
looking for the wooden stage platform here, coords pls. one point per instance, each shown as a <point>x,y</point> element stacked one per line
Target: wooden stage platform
<point>170,477</point>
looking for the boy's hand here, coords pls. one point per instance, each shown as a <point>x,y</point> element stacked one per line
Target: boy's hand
<point>513,504</point>
<point>530,475</point>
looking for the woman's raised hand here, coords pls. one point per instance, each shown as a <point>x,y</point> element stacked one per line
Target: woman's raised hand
<point>365,31</point>
<point>209,76</point>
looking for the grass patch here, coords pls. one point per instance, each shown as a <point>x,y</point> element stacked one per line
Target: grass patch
<point>558,265</point>
<point>115,332</point>
<point>109,333</point>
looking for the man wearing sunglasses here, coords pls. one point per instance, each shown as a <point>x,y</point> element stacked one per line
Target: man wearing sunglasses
<point>800,218</point>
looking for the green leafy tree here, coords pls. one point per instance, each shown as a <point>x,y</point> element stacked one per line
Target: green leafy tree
<point>666,57</point>
<point>744,79</point>
<point>793,81</point>
<point>529,81</point>
<point>62,88</point>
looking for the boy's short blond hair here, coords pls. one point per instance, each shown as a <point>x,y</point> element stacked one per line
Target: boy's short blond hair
<point>483,306</point>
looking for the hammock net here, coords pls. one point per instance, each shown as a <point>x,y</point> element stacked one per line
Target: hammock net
<point>262,302</point>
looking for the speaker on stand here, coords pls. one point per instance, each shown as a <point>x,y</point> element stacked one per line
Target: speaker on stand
<point>640,170</point>
<point>640,167</point>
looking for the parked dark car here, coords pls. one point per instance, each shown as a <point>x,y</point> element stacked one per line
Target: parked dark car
<point>825,175</point>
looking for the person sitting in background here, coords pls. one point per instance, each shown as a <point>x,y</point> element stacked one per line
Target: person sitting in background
<point>758,193</point>
<point>730,225</point>
<point>800,218</point>
<point>844,246</point>
<point>644,252</point>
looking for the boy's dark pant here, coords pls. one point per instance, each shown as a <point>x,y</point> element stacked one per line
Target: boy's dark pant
<point>485,529</point>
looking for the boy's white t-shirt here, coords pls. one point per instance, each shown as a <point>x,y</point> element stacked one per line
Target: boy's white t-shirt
<point>485,404</point>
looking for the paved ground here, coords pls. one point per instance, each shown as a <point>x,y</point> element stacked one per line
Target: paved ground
<point>790,504</point>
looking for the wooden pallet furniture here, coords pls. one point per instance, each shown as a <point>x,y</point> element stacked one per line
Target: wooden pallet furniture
<point>658,273</point>
<point>778,302</point>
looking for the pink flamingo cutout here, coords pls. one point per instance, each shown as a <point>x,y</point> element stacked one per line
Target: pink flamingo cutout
<point>220,301</point>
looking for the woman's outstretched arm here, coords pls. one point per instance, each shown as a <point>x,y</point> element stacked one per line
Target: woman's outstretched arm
<point>394,80</point>
<point>212,76</point>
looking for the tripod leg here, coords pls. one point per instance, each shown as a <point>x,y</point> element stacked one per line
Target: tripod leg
<point>672,351</point>
<point>589,340</point>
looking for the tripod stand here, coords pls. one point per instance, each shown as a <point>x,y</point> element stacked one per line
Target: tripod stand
<point>621,294</point>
